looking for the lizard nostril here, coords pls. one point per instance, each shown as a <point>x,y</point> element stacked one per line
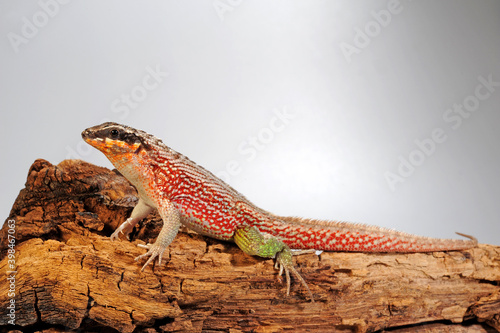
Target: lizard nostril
<point>86,133</point>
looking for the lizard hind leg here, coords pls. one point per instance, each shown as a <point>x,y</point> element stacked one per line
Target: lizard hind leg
<point>251,241</point>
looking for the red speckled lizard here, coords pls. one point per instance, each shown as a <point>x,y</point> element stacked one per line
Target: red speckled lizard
<point>185,193</point>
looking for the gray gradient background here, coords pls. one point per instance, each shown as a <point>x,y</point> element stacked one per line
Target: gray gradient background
<point>227,77</point>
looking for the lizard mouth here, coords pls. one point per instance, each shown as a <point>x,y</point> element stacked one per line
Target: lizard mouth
<point>87,134</point>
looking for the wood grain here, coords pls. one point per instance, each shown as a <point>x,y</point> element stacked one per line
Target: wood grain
<point>70,276</point>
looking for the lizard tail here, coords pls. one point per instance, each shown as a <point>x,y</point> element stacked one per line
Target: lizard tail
<point>299,233</point>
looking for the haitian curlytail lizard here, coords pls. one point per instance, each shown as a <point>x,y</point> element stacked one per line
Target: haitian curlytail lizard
<point>185,193</point>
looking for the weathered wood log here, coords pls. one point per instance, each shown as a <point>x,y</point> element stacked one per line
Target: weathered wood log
<point>70,276</point>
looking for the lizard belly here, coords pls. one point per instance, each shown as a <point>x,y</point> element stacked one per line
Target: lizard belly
<point>205,228</point>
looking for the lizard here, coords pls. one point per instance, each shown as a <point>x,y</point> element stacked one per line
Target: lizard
<point>185,193</point>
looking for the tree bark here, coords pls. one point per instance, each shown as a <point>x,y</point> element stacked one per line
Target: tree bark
<point>70,276</point>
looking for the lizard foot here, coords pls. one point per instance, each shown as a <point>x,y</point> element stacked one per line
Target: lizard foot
<point>125,228</point>
<point>154,250</point>
<point>285,263</point>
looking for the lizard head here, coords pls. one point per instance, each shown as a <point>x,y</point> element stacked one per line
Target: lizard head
<point>113,139</point>
<point>133,152</point>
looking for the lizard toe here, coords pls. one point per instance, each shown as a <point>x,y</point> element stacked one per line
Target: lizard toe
<point>154,250</point>
<point>284,259</point>
<point>125,228</point>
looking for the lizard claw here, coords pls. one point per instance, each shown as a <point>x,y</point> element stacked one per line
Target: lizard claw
<point>154,250</point>
<point>285,263</point>
<point>125,228</point>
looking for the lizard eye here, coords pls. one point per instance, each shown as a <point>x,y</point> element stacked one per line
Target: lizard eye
<point>114,133</point>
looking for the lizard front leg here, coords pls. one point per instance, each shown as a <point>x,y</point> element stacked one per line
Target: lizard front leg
<point>140,211</point>
<point>251,241</point>
<point>171,224</point>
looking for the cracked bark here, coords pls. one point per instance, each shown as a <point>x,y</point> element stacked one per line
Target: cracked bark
<point>70,276</point>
